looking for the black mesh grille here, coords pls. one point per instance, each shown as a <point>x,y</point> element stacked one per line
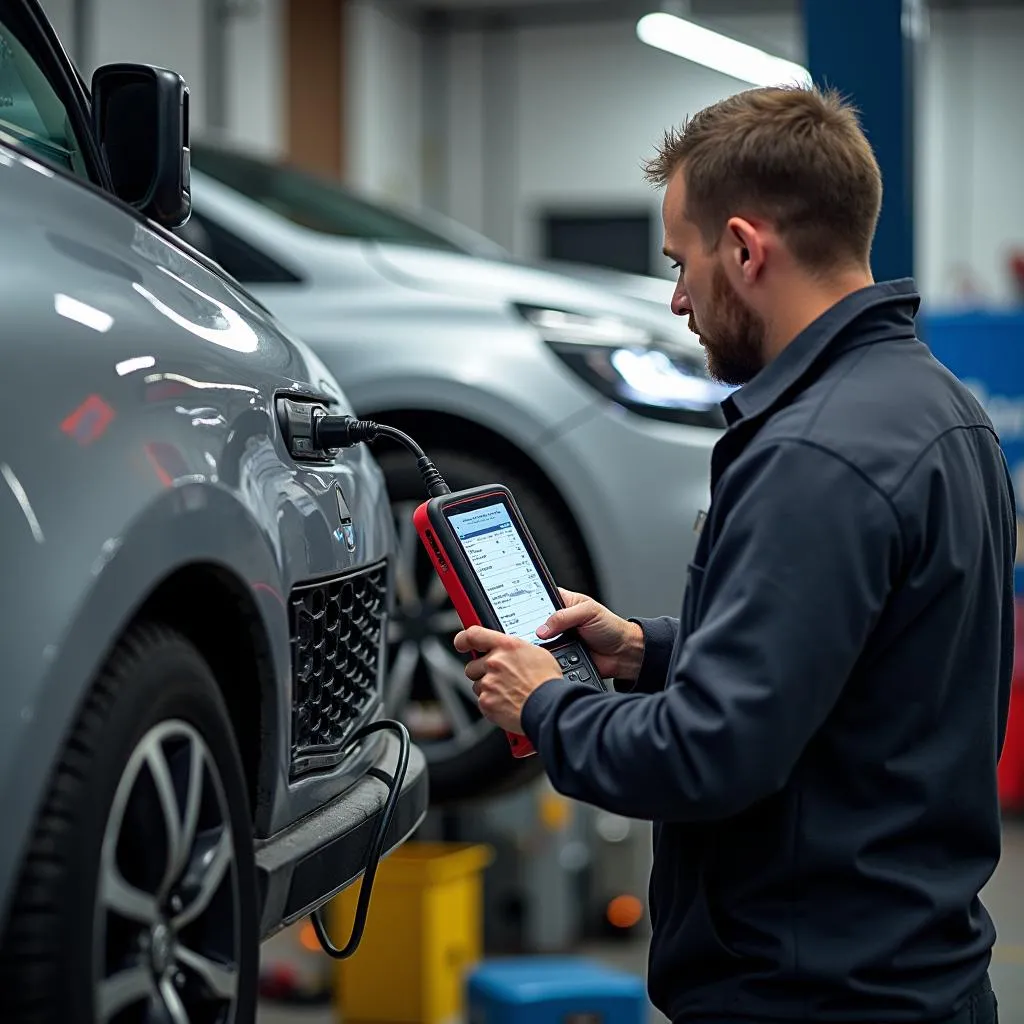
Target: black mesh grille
<point>336,654</point>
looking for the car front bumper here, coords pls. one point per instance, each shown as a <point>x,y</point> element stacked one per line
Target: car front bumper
<point>307,864</point>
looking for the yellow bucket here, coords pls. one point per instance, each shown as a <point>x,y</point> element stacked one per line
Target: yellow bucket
<point>424,929</point>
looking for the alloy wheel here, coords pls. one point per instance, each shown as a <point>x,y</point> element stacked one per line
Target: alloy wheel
<point>167,926</point>
<point>427,684</point>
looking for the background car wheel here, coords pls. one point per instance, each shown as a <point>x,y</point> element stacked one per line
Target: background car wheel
<point>137,902</point>
<point>467,757</point>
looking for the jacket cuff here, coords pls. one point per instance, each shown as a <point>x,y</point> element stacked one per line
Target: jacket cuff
<point>659,640</point>
<point>539,703</point>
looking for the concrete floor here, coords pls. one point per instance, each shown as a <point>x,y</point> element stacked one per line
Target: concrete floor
<point>1004,898</point>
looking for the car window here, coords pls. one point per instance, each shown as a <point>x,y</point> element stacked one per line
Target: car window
<point>31,110</point>
<point>312,202</point>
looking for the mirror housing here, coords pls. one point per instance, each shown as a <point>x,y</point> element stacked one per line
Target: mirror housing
<point>140,116</point>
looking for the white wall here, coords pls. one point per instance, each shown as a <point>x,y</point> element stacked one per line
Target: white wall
<point>383,89</point>
<point>591,102</point>
<point>165,32</point>
<point>255,86</point>
<point>971,208</point>
<point>171,33</point>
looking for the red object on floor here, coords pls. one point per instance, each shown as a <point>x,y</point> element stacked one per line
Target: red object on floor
<point>1011,764</point>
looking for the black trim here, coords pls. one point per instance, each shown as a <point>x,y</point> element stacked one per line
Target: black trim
<point>60,68</point>
<point>315,858</point>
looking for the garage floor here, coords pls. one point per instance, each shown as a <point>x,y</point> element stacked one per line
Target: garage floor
<point>1004,898</point>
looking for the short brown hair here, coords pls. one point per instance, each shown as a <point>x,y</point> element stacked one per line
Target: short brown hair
<point>796,156</point>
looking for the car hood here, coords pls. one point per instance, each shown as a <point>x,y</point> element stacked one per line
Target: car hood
<point>472,276</point>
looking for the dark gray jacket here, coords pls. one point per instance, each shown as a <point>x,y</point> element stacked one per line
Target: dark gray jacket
<point>816,738</point>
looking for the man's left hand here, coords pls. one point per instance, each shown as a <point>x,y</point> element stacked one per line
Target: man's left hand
<point>505,673</point>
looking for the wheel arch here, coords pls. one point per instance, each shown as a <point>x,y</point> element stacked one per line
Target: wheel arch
<point>215,611</point>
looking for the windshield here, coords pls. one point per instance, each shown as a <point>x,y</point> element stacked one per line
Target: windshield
<point>315,203</point>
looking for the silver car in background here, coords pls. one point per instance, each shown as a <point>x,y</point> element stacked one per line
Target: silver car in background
<point>592,405</point>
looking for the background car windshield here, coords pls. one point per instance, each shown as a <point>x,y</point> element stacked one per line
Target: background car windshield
<point>312,202</point>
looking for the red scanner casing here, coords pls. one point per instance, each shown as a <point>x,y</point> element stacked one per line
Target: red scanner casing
<point>454,569</point>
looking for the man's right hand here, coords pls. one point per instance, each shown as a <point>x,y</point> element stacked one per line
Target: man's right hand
<point>616,644</point>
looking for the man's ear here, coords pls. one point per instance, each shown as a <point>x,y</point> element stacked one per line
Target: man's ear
<point>746,248</point>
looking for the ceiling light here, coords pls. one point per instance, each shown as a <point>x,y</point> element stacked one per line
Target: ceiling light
<point>719,52</point>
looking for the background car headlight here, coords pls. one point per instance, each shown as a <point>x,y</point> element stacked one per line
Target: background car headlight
<point>628,364</point>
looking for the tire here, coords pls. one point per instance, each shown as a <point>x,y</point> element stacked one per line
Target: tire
<point>155,704</point>
<point>475,762</point>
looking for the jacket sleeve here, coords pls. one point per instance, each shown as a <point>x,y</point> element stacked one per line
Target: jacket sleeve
<point>659,639</point>
<point>798,573</point>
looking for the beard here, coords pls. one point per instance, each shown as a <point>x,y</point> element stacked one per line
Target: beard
<point>732,334</point>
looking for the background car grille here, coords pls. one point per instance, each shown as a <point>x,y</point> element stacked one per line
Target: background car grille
<point>337,651</point>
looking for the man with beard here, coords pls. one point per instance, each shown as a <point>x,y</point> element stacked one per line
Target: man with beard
<point>816,736</point>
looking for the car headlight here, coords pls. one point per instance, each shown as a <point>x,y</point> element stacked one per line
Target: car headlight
<point>650,375</point>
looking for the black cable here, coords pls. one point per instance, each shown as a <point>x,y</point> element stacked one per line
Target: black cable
<point>330,432</point>
<point>376,850</point>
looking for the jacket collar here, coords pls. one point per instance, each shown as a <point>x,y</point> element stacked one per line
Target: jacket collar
<point>878,312</point>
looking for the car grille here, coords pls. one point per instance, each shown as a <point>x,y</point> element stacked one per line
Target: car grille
<point>337,651</point>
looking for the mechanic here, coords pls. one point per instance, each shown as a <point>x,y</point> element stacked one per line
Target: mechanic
<point>816,737</point>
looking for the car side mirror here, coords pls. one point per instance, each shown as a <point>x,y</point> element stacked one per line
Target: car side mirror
<point>141,119</point>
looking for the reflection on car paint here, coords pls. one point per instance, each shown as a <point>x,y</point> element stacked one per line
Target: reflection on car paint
<point>127,366</point>
<point>82,313</point>
<point>178,378</point>
<point>22,498</point>
<point>88,422</point>
<point>233,332</point>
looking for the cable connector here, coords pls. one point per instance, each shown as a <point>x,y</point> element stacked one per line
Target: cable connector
<point>333,432</point>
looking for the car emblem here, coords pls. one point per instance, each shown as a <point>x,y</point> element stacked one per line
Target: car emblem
<point>345,531</point>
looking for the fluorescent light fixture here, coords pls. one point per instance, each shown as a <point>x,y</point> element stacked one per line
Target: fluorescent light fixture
<point>719,52</point>
<point>83,313</point>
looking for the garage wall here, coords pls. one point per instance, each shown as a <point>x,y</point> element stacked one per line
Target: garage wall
<point>254,85</point>
<point>576,133</point>
<point>971,202</point>
<point>571,132</point>
<point>154,32</point>
<point>383,90</point>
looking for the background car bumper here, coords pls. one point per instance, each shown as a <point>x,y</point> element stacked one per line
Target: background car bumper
<point>304,866</point>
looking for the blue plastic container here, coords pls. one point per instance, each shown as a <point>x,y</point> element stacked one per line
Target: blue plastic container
<point>554,990</point>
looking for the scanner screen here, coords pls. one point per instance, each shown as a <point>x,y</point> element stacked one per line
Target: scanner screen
<point>505,570</point>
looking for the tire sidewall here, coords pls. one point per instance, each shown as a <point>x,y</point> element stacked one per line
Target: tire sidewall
<point>170,683</point>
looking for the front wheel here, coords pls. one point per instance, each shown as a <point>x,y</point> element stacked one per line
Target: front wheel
<point>137,901</point>
<point>467,757</point>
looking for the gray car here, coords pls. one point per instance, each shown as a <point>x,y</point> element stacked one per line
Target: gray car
<point>194,619</point>
<point>592,404</point>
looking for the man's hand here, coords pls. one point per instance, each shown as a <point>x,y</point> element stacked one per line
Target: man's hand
<point>616,644</point>
<point>506,672</point>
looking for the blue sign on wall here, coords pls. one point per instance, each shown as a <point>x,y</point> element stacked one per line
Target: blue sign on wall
<point>986,351</point>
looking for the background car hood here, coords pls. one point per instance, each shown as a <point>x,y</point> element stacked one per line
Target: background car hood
<point>472,276</point>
